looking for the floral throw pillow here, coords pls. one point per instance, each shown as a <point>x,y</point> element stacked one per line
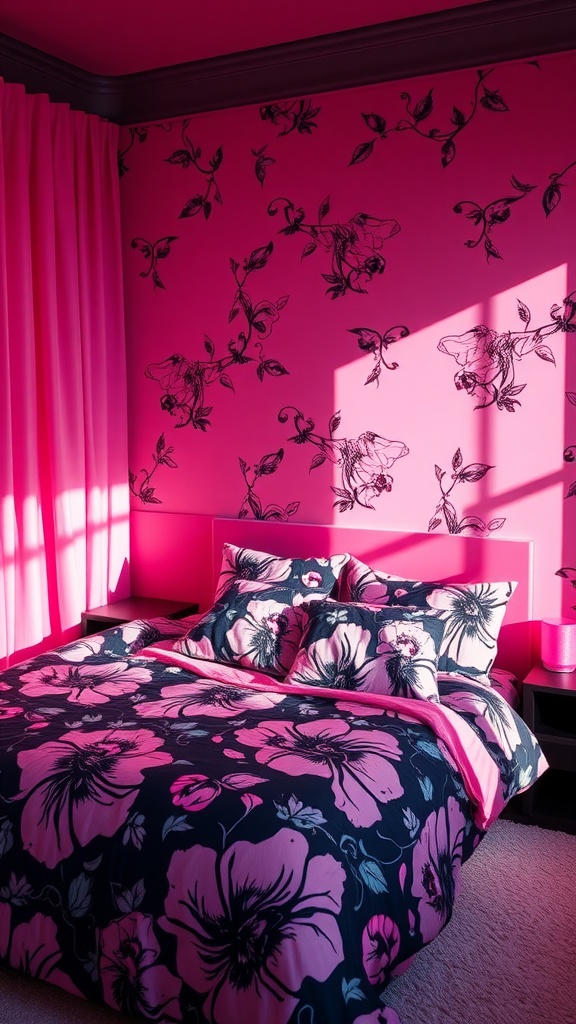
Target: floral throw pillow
<point>349,646</point>
<point>257,620</point>
<point>254,630</point>
<point>250,571</point>
<point>472,613</point>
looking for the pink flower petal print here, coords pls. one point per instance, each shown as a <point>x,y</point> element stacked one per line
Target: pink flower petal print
<point>214,699</point>
<point>386,1015</point>
<point>81,786</point>
<point>86,685</point>
<point>194,792</point>
<point>82,649</point>
<point>9,710</point>
<point>196,648</point>
<point>132,980</point>
<point>357,761</point>
<point>380,947</point>
<point>436,867</point>
<point>242,918</point>
<point>35,950</point>
<point>267,637</point>
<point>338,661</point>
<point>253,570</point>
<point>491,713</point>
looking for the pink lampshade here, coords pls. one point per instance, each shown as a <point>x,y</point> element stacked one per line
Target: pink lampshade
<point>558,644</point>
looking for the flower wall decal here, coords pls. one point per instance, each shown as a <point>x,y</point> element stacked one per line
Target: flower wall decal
<point>445,509</point>
<point>416,120</point>
<point>190,155</point>
<point>353,246</point>
<point>184,381</point>
<point>488,359</point>
<point>363,461</point>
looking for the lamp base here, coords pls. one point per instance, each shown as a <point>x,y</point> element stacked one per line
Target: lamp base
<point>558,644</point>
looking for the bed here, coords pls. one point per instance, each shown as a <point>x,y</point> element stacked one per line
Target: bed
<point>260,814</point>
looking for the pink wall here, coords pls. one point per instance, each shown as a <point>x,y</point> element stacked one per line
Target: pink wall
<point>329,363</point>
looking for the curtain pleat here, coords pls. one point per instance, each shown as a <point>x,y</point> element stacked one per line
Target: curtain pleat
<point>64,529</point>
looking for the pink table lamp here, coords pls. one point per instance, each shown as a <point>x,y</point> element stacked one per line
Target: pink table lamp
<point>558,644</point>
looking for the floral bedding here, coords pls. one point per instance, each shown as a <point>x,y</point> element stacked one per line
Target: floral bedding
<point>186,840</point>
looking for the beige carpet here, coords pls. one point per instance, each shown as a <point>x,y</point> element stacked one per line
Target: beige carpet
<point>508,955</point>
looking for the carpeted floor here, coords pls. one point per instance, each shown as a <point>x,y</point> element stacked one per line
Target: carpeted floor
<point>508,955</point>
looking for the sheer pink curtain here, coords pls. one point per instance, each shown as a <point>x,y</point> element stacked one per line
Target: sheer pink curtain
<point>63,434</point>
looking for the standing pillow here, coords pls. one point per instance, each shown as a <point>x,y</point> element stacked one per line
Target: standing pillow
<point>472,613</point>
<point>261,631</point>
<point>256,621</point>
<point>390,651</point>
<point>251,571</point>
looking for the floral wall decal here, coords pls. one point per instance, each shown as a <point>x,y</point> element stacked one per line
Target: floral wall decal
<point>184,381</point>
<point>490,216</point>
<point>498,210</point>
<point>570,450</point>
<point>363,461</point>
<point>190,155</point>
<point>445,509</point>
<point>153,252</point>
<point>295,115</point>
<point>353,246</point>
<point>262,163</point>
<point>251,502</point>
<point>370,340</point>
<point>138,133</point>
<point>291,116</point>
<point>488,359</point>
<point>161,457</point>
<point>420,110</point>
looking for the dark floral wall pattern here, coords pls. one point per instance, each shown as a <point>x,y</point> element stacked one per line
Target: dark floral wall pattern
<point>139,133</point>
<point>161,457</point>
<point>292,116</point>
<point>190,155</point>
<point>570,451</point>
<point>417,120</point>
<point>295,115</point>
<point>445,509</point>
<point>437,165</point>
<point>153,252</point>
<point>487,360</point>
<point>353,246</point>
<point>498,211</point>
<point>262,163</point>
<point>370,340</point>
<point>363,461</point>
<point>251,502</point>
<point>184,381</point>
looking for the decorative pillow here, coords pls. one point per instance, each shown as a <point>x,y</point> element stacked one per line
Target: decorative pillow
<point>473,613</point>
<point>361,647</point>
<point>256,621</point>
<point>253,630</point>
<point>251,571</point>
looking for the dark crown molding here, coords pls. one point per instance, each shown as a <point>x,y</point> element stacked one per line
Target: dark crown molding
<point>494,31</point>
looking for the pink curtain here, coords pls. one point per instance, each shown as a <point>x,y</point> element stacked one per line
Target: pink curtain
<point>63,434</point>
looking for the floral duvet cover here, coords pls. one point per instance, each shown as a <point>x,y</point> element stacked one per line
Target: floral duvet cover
<point>185,841</point>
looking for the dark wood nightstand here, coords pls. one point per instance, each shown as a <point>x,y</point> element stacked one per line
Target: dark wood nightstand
<point>96,619</point>
<point>549,709</point>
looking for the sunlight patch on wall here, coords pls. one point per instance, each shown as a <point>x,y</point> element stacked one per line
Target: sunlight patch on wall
<point>386,387</point>
<point>23,569</point>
